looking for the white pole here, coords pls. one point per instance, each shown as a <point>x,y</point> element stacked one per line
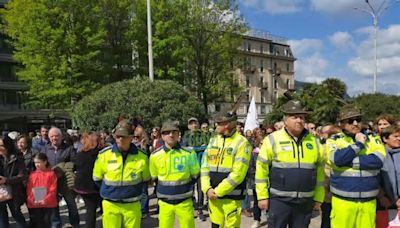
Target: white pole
<point>376,52</point>
<point>149,42</point>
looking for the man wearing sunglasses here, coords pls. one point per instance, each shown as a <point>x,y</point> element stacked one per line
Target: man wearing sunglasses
<point>223,171</point>
<point>120,171</point>
<point>355,159</point>
<point>175,169</point>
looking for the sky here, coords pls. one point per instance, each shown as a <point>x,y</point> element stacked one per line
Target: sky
<point>331,39</point>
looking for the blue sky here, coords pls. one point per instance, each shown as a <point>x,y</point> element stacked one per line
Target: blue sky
<point>331,39</point>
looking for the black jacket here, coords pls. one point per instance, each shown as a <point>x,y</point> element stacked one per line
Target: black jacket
<point>64,153</point>
<point>84,164</point>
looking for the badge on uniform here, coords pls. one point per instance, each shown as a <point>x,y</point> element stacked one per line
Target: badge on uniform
<point>133,175</point>
<point>309,146</point>
<point>229,151</point>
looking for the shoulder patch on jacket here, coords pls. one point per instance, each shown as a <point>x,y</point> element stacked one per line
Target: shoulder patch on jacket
<point>105,149</point>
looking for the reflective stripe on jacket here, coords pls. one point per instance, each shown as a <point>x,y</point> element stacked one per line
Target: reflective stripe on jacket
<point>225,164</point>
<point>175,170</point>
<point>355,166</point>
<point>286,168</point>
<point>121,181</point>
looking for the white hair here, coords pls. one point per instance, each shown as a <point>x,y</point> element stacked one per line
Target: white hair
<point>55,129</point>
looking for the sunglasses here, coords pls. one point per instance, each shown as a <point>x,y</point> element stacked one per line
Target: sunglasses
<point>351,120</point>
<point>136,136</point>
<point>168,132</point>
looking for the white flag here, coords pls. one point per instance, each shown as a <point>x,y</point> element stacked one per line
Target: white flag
<point>251,119</point>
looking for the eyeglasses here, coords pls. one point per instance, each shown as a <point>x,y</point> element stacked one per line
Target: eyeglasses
<point>168,132</point>
<point>351,120</point>
<point>136,136</point>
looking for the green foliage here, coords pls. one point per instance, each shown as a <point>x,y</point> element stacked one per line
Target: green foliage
<point>59,45</point>
<point>195,43</point>
<point>323,101</point>
<point>374,105</point>
<point>156,102</point>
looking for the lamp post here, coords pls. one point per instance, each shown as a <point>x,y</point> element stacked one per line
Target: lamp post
<point>149,42</point>
<point>375,14</point>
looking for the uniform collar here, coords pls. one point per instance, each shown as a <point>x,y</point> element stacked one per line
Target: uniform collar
<point>166,149</point>
<point>302,134</point>
<point>132,149</point>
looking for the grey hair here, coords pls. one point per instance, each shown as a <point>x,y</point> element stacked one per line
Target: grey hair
<point>57,130</point>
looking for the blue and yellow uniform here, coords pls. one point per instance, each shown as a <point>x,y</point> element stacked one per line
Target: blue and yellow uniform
<point>291,174</point>
<point>354,179</point>
<point>120,176</point>
<point>224,168</point>
<point>176,170</point>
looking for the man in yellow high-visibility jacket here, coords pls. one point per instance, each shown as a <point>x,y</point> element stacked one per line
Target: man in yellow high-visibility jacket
<point>223,171</point>
<point>290,172</point>
<point>175,169</point>
<point>120,171</point>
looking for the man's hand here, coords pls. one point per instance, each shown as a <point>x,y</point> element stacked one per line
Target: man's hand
<point>211,194</point>
<point>385,202</point>
<point>398,204</point>
<point>263,204</point>
<point>360,137</point>
<point>317,206</point>
<point>3,179</point>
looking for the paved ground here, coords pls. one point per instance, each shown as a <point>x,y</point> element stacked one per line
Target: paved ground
<point>152,221</point>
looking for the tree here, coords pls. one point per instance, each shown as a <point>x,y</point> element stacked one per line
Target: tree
<point>59,45</point>
<point>155,102</point>
<point>196,44</point>
<point>374,105</point>
<point>323,101</point>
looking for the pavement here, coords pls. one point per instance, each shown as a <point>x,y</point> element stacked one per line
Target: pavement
<point>152,220</point>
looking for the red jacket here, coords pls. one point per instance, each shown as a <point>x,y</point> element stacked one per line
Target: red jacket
<point>45,180</point>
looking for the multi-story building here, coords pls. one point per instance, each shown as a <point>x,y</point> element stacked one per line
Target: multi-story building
<point>14,115</point>
<point>266,74</point>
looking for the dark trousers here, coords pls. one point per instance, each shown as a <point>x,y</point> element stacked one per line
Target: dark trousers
<point>92,202</point>
<point>40,217</point>
<point>200,196</point>
<point>282,213</point>
<point>15,212</point>
<point>73,213</point>
<point>256,209</point>
<point>326,209</point>
<point>144,202</point>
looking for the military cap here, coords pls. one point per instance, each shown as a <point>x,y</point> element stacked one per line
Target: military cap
<point>123,128</point>
<point>170,125</point>
<point>225,116</point>
<point>192,119</point>
<point>348,112</point>
<point>293,107</point>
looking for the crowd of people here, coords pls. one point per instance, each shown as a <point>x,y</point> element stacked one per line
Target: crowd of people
<point>348,171</point>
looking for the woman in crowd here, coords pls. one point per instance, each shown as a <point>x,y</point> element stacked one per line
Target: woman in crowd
<point>42,192</point>
<point>84,184</point>
<point>24,146</point>
<point>12,173</point>
<point>155,137</point>
<point>384,121</point>
<point>390,197</point>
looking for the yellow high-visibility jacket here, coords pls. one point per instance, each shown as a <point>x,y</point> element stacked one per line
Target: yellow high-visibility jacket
<point>121,181</point>
<point>286,168</point>
<point>225,164</point>
<point>176,170</point>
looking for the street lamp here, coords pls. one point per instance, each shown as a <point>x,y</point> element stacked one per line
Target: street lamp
<point>149,42</point>
<point>375,13</point>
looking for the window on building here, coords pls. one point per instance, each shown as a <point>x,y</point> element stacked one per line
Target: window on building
<point>263,96</point>
<point>275,83</point>
<point>244,45</point>
<point>261,49</point>
<point>11,97</point>
<point>248,97</point>
<point>271,48</point>
<point>261,65</point>
<point>217,107</point>
<point>288,83</point>
<point>263,109</point>
<point>249,46</point>
<point>287,67</point>
<point>247,81</point>
<point>261,81</point>
<point>276,96</point>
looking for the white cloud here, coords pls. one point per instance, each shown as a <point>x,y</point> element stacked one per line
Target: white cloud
<point>341,7</point>
<point>388,52</point>
<point>341,40</point>
<point>275,6</point>
<point>305,46</point>
<point>311,69</point>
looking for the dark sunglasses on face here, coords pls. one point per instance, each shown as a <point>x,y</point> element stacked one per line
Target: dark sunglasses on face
<point>168,132</point>
<point>351,120</point>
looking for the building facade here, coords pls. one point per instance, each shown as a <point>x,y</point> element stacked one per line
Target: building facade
<point>266,73</point>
